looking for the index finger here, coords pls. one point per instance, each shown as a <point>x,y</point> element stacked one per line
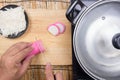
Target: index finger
<point>49,72</point>
<point>59,76</point>
<point>22,54</point>
<point>14,49</point>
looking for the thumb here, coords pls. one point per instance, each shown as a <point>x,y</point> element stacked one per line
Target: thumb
<point>59,76</point>
<point>26,64</point>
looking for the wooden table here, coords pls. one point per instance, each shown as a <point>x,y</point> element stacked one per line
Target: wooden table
<point>58,48</point>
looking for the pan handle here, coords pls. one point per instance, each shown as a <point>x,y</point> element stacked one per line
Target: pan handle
<point>73,13</point>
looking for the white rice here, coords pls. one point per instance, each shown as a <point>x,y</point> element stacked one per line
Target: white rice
<point>12,21</point>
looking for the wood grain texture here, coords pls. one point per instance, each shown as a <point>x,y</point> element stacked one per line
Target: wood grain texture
<point>38,72</point>
<point>43,4</point>
<point>58,48</point>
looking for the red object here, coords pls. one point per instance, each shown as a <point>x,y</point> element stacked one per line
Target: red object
<point>37,48</point>
<point>53,29</point>
<point>61,26</point>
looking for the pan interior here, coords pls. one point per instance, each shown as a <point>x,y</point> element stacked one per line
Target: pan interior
<point>93,40</point>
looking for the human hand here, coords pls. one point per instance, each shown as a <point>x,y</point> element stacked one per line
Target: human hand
<point>49,73</point>
<point>13,63</point>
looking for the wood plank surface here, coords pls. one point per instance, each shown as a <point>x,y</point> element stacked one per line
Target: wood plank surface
<point>58,48</point>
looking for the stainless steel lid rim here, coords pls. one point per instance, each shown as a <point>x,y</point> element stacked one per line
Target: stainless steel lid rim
<point>86,70</point>
<point>75,34</point>
<point>84,67</point>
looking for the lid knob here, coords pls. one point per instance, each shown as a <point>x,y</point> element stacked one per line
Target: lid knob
<point>116,41</point>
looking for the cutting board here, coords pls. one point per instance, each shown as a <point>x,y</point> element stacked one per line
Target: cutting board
<point>58,49</point>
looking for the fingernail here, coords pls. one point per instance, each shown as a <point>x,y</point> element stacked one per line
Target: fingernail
<point>48,64</point>
<point>61,71</point>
